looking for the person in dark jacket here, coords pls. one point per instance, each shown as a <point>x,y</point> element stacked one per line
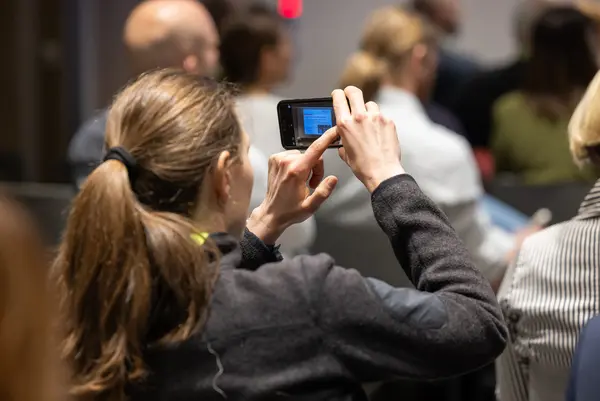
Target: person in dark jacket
<point>444,117</point>
<point>454,69</point>
<point>157,34</point>
<point>171,292</point>
<point>476,98</point>
<point>584,384</point>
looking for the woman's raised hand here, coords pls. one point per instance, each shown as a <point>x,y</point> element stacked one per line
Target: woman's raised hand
<point>296,189</point>
<point>371,147</point>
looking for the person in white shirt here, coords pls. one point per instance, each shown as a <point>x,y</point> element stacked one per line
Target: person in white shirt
<point>396,67</point>
<point>256,54</point>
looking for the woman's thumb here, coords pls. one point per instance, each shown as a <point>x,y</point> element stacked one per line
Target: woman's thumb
<point>320,194</point>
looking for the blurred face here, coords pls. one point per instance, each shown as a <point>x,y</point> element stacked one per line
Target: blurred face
<point>205,58</point>
<point>276,61</point>
<point>424,64</point>
<point>210,54</point>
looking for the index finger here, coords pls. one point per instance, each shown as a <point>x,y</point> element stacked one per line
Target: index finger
<point>318,147</point>
<point>340,105</point>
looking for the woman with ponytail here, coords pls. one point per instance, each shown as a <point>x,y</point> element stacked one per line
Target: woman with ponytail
<point>171,292</point>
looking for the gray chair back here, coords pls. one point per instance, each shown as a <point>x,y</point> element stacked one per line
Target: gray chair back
<point>562,200</point>
<point>362,247</point>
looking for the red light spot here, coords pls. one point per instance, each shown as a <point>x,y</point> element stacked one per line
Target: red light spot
<point>290,8</point>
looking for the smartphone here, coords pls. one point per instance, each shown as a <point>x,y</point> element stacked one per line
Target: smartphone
<point>302,121</point>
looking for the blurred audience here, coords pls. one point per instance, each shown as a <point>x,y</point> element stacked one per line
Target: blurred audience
<point>29,356</point>
<point>256,53</point>
<point>180,34</point>
<point>552,290</point>
<point>477,97</point>
<point>171,291</point>
<point>158,33</point>
<point>395,66</point>
<point>454,69</point>
<point>529,134</point>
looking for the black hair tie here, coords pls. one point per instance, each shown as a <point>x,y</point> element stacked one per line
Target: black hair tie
<point>122,155</point>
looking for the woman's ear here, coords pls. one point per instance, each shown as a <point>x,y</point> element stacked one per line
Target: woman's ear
<point>419,53</point>
<point>425,59</point>
<point>222,178</point>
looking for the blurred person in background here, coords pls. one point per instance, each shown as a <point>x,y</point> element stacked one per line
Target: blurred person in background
<point>396,67</point>
<point>158,33</point>
<point>454,69</point>
<point>29,356</point>
<point>476,99</point>
<point>553,290</point>
<point>446,16</point>
<point>179,34</point>
<point>529,137</point>
<point>171,291</point>
<point>256,53</point>
<point>220,11</point>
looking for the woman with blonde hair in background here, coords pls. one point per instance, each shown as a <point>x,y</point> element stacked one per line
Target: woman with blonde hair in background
<point>553,289</point>
<point>170,291</point>
<point>29,357</point>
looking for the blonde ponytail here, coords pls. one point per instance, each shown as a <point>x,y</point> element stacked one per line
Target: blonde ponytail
<point>366,72</point>
<point>389,36</point>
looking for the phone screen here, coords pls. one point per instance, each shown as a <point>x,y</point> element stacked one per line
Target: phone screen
<point>303,121</point>
<point>311,122</point>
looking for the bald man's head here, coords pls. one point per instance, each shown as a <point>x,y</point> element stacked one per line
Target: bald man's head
<point>172,33</point>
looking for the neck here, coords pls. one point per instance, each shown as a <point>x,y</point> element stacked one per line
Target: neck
<point>403,82</point>
<point>210,221</point>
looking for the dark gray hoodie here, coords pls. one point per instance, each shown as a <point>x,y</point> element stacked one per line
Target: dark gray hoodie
<point>306,329</point>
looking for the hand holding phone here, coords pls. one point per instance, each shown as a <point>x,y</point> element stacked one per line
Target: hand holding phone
<point>302,121</point>
<point>297,187</point>
<point>370,143</point>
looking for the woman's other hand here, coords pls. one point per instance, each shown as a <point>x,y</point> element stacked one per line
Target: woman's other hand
<point>289,200</point>
<point>370,142</point>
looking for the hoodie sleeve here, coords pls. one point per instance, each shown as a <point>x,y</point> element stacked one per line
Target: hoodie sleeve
<point>449,325</point>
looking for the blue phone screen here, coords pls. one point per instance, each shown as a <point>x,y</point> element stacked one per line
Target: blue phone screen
<point>316,120</point>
